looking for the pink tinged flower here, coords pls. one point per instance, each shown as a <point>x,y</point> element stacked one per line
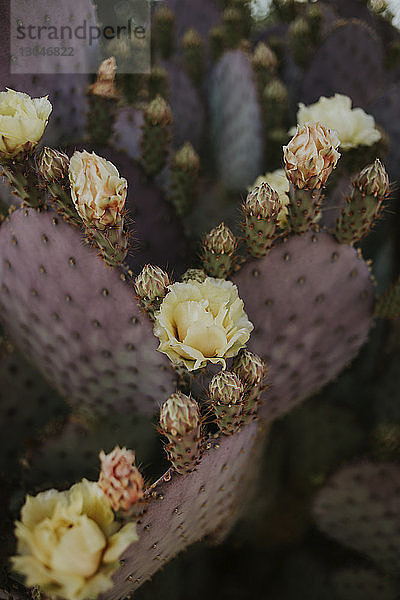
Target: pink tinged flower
<point>311,155</point>
<point>120,479</point>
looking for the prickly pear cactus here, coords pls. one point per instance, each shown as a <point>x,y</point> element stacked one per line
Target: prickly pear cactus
<point>236,121</point>
<point>76,319</point>
<point>28,403</point>
<point>304,331</point>
<point>359,507</point>
<point>184,509</point>
<point>68,88</point>
<point>344,63</point>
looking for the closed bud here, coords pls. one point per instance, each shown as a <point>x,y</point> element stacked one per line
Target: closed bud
<point>152,283</point>
<point>226,388</point>
<point>373,180</point>
<point>311,155</point>
<point>53,164</point>
<point>249,368</point>
<point>120,479</point>
<point>179,415</point>
<point>275,92</point>
<point>220,240</point>
<point>186,158</point>
<point>104,84</point>
<point>192,39</point>
<point>158,112</point>
<point>194,275</point>
<point>262,201</point>
<point>264,58</point>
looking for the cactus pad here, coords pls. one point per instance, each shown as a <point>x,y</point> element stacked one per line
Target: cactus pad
<point>185,508</point>
<point>75,319</point>
<point>236,121</point>
<point>305,331</point>
<point>348,62</point>
<point>360,507</point>
<point>27,403</point>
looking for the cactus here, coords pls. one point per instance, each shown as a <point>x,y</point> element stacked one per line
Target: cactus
<point>236,121</point>
<point>71,345</point>
<point>359,507</point>
<point>305,286</point>
<point>343,64</point>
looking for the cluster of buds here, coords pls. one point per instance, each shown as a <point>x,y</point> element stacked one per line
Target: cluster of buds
<point>180,422</point>
<point>219,246</point>
<point>309,159</point>
<point>151,286</point>
<point>120,479</point>
<point>261,211</point>
<point>365,204</point>
<point>103,99</point>
<point>225,393</point>
<point>264,63</point>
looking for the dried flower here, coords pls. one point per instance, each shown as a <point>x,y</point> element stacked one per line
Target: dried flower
<point>120,479</point>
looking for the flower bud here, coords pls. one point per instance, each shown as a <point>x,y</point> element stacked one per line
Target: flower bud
<point>194,275</point>
<point>119,479</point>
<point>22,122</point>
<point>262,201</point>
<point>264,58</point>
<point>53,164</point>
<point>220,240</point>
<point>179,414</point>
<point>158,112</point>
<point>186,158</point>
<point>373,180</point>
<point>249,368</point>
<point>226,388</point>
<point>311,155</point>
<point>104,84</point>
<point>97,190</point>
<point>275,92</point>
<point>152,283</point>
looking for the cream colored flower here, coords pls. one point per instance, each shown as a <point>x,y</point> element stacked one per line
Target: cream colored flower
<point>69,543</point>
<point>98,192</point>
<point>202,322</point>
<point>22,122</point>
<point>353,126</point>
<point>311,155</point>
<point>279,182</point>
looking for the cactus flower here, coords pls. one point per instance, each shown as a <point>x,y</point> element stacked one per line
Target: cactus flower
<point>202,322</point>
<point>69,543</point>
<point>120,479</point>
<point>22,122</point>
<point>98,192</point>
<point>311,155</point>
<point>353,126</point>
